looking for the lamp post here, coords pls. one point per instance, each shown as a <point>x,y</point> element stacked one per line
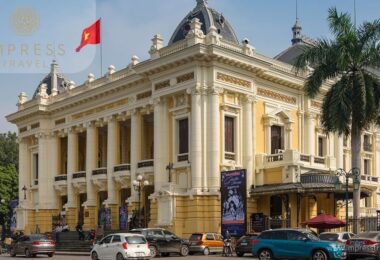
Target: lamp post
<point>139,185</point>
<point>169,167</point>
<point>354,173</point>
<point>24,189</point>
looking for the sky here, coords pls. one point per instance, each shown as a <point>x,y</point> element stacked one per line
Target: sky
<point>27,48</point>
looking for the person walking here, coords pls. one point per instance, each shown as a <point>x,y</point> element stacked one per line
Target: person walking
<point>57,231</point>
<point>79,230</point>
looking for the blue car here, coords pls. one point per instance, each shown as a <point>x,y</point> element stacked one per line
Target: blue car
<point>295,244</point>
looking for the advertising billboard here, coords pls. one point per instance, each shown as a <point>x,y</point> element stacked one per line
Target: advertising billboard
<point>234,202</point>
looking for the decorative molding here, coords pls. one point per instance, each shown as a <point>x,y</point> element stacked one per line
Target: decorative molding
<point>60,121</point>
<point>233,80</point>
<point>276,95</point>
<point>161,85</point>
<point>214,91</point>
<point>35,125</point>
<point>185,77</point>
<point>144,95</point>
<point>102,108</point>
<point>316,104</point>
<point>23,129</point>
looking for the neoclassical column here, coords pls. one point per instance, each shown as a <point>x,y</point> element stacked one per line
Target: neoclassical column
<point>24,168</point>
<point>301,139</point>
<point>196,138</point>
<point>161,147</point>
<point>72,165</point>
<point>310,133</point>
<point>213,139</point>
<point>112,157</point>
<point>91,161</point>
<point>48,154</point>
<point>248,159</point>
<point>135,148</point>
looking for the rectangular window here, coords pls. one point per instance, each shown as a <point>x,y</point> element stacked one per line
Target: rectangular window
<point>321,151</point>
<point>367,143</point>
<point>35,166</point>
<point>229,134</point>
<point>366,166</point>
<point>276,139</point>
<point>183,127</point>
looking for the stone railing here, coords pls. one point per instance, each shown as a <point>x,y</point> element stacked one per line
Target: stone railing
<point>78,175</point>
<point>122,167</point>
<point>178,46</point>
<point>183,157</point>
<point>99,171</point>
<point>145,163</point>
<point>62,177</point>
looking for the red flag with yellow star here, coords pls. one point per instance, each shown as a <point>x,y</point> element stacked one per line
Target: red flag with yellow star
<point>90,35</point>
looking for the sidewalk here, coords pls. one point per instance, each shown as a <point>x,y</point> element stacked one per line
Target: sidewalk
<point>72,253</point>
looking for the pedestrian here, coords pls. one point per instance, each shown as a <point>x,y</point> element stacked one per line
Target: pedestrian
<point>57,231</point>
<point>80,231</point>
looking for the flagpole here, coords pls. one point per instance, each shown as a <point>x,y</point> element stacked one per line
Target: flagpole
<point>101,48</point>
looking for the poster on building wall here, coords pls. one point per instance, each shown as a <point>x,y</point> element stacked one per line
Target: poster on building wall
<point>102,217</point>
<point>108,220</point>
<point>234,202</point>
<point>13,206</point>
<point>122,218</point>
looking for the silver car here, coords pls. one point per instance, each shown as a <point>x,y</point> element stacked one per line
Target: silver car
<point>341,237</point>
<point>32,245</point>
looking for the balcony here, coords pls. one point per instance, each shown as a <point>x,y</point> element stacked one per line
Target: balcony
<point>79,181</point>
<point>60,184</point>
<point>99,178</point>
<point>369,180</point>
<point>145,166</point>
<point>122,174</point>
<point>367,147</point>
<point>294,158</point>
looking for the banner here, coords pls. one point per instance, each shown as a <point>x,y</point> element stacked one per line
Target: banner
<point>233,190</point>
<point>122,218</point>
<point>108,220</point>
<point>13,205</point>
<point>102,217</point>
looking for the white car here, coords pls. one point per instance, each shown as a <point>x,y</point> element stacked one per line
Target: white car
<point>121,246</point>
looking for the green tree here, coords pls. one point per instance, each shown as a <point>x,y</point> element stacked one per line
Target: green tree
<point>8,191</point>
<point>353,101</point>
<point>8,149</point>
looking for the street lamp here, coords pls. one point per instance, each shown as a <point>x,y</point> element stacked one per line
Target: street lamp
<point>354,173</point>
<point>139,185</point>
<point>24,189</point>
<point>169,167</point>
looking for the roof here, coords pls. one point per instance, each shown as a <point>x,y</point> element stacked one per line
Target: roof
<point>208,17</point>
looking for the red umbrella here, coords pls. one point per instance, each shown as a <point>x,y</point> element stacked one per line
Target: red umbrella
<point>324,221</point>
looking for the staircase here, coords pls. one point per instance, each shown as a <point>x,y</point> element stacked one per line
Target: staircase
<point>69,242</point>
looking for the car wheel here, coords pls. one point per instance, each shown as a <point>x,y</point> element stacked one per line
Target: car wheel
<point>239,254</point>
<point>319,255</point>
<point>206,251</point>
<point>27,253</point>
<point>94,256</point>
<point>119,257</point>
<point>153,251</point>
<point>50,255</point>
<point>184,250</point>
<point>265,254</point>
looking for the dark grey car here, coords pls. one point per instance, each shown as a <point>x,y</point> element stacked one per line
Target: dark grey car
<point>31,245</point>
<point>244,245</point>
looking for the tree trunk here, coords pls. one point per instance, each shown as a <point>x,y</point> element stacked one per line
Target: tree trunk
<point>356,163</point>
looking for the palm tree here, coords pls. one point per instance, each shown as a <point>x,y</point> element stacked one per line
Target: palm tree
<point>352,103</point>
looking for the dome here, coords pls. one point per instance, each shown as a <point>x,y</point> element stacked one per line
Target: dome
<point>208,17</point>
<point>53,78</point>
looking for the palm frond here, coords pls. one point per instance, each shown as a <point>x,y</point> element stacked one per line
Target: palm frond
<point>339,23</point>
<point>337,108</point>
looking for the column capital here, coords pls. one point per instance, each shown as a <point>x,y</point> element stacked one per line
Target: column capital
<point>111,118</point>
<point>250,99</point>
<point>311,115</point>
<point>197,90</point>
<point>215,90</point>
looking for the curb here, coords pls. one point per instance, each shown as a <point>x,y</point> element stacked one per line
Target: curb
<point>72,253</point>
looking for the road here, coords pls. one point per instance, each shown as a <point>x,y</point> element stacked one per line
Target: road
<point>174,257</point>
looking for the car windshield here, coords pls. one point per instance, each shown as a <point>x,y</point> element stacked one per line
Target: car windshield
<point>196,237</point>
<point>329,236</point>
<point>135,240</point>
<point>310,236</point>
